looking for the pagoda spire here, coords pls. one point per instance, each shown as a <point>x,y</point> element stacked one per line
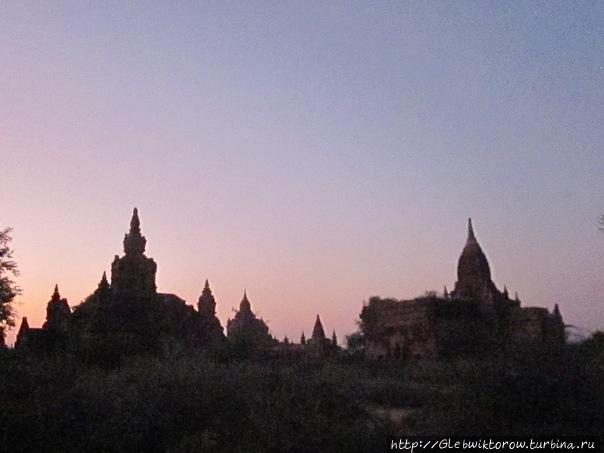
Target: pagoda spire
<point>103,291</point>
<point>135,223</point>
<point>245,303</point>
<point>55,293</point>
<point>103,284</point>
<point>473,271</point>
<point>302,338</point>
<point>134,241</point>
<point>317,332</point>
<point>206,303</point>
<point>445,293</point>
<point>471,236</point>
<point>505,292</point>
<point>334,338</point>
<point>22,334</point>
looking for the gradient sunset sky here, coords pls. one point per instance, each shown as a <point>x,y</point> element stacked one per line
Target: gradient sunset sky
<point>313,153</point>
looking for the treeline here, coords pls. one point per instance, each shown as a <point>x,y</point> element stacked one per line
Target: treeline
<point>182,403</point>
<point>178,401</point>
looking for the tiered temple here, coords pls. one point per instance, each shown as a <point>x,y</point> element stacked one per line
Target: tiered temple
<point>474,318</point>
<point>246,330</point>
<point>129,313</point>
<point>133,275</point>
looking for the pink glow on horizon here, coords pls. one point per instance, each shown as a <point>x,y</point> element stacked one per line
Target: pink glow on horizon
<point>313,153</point>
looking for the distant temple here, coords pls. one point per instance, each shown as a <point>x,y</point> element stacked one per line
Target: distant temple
<point>475,317</point>
<point>246,330</point>
<point>130,312</point>
<point>129,316</point>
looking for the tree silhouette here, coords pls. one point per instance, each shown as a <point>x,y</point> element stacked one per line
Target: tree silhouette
<point>8,288</point>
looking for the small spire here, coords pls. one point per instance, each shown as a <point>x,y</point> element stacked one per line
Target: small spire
<point>24,324</point>
<point>557,312</point>
<point>245,303</point>
<point>334,338</point>
<point>206,304</point>
<point>134,241</point>
<point>302,338</point>
<point>55,294</point>
<point>505,292</point>
<point>317,331</point>
<point>516,297</point>
<point>135,223</point>
<point>446,293</point>
<point>471,236</point>
<point>104,284</point>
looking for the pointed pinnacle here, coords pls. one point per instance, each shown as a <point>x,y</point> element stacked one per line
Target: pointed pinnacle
<point>471,236</point>
<point>55,293</point>
<point>135,222</point>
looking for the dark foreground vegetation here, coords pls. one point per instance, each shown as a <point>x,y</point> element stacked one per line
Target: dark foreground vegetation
<point>179,402</point>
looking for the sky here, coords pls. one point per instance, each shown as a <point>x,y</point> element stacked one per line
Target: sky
<point>313,153</point>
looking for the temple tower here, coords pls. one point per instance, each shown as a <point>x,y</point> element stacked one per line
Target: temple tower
<point>208,327</point>
<point>474,273</point>
<point>246,329</point>
<point>318,333</point>
<point>206,304</point>
<point>57,312</point>
<point>103,291</point>
<point>133,275</point>
<point>319,345</point>
<point>22,334</point>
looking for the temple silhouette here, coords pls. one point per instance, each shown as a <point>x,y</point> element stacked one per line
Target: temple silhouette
<point>475,317</point>
<point>130,309</point>
<point>129,314</point>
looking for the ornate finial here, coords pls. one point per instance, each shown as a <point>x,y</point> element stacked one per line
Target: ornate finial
<point>471,236</point>
<point>135,223</point>
<point>134,241</point>
<point>55,294</point>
